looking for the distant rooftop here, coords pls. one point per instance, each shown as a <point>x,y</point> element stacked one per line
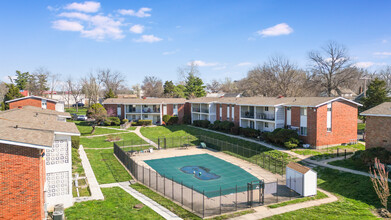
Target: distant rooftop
<point>383,110</point>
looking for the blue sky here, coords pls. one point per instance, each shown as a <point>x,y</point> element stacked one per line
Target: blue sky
<point>226,38</point>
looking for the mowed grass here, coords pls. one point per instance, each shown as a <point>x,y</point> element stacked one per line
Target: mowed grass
<point>351,164</point>
<point>76,163</point>
<point>85,129</point>
<point>100,142</point>
<point>118,204</point>
<point>174,131</point>
<point>330,152</point>
<point>361,126</point>
<point>357,198</point>
<point>81,111</point>
<point>319,195</point>
<point>106,167</point>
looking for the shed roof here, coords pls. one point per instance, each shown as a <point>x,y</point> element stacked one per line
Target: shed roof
<point>145,101</point>
<point>383,110</point>
<point>298,167</point>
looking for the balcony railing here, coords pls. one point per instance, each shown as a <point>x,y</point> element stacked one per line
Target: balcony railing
<point>266,116</point>
<point>205,110</point>
<point>247,115</point>
<point>196,110</point>
<point>148,110</point>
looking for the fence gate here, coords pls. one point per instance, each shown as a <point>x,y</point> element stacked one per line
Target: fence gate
<point>161,142</point>
<point>255,192</point>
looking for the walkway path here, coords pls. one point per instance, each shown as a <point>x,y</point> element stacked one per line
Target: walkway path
<point>165,213</point>
<point>264,211</point>
<point>137,131</point>
<point>105,148</point>
<point>100,135</point>
<point>96,193</point>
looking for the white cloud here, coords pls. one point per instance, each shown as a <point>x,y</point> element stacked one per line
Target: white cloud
<point>103,27</point>
<point>64,25</point>
<point>279,29</point>
<point>141,13</point>
<point>201,63</point>
<point>244,64</point>
<point>87,6</point>
<point>382,53</point>
<point>148,39</point>
<point>170,52</point>
<point>76,15</point>
<point>138,29</point>
<point>368,64</point>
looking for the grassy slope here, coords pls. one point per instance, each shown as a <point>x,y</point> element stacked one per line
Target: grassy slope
<point>356,198</point>
<point>330,152</point>
<point>350,164</point>
<point>82,111</point>
<point>76,163</point>
<point>319,195</point>
<point>85,129</point>
<point>106,167</point>
<point>117,205</point>
<point>100,142</point>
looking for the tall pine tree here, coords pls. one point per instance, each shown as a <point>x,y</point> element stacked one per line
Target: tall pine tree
<point>194,87</point>
<point>377,93</point>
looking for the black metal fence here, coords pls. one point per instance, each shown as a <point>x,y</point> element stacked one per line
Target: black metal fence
<point>205,203</point>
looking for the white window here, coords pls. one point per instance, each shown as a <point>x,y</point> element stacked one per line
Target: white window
<point>221,111</point>
<point>228,115</point>
<point>303,111</point>
<point>175,109</point>
<point>164,109</point>
<point>266,109</point>
<point>329,117</point>
<point>233,113</point>
<point>303,131</point>
<point>43,103</point>
<point>266,124</point>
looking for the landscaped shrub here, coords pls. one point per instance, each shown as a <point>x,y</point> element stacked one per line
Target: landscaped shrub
<point>114,120</point>
<point>292,143</point>
<point>235,130</point>
<point>173,120</point>
<point>166,119</point>
<point>226,126</point>
<point>107,123</point>
<point>187,119</point>
<point>284,137</point>
<point>215,125</point>
<point>75,142</point>
<point>368,156</point>
<point>133,123</point>
<point>144,122</point>
<point>201,123</point>
<point>249,132</point>
<point>124,121</point>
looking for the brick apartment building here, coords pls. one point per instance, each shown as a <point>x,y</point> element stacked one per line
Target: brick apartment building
<point>378,126</point>
<point>35,162</point>
<point>320,121</point>
<point>146,109</point>
<point>36,101</point>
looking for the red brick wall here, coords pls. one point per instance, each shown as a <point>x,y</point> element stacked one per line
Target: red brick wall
<point>111,110</point>
<point>377,132</point>
<point>217,111</point>
<point>170,109</point>
<point>181,113</point>
<point>122,111</point>
<point>311,127</point>
<point>21,192</point>
<point>188,110</point>
<point>224,112</point>
<point>237,115</point>
<point>343,124</point>
<point>295,116</point>
<point>32,102</point>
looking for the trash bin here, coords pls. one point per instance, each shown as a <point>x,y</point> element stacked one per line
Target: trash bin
<point>58,215</point>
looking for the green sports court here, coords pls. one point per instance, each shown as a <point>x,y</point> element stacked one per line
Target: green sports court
<point>203,172</point>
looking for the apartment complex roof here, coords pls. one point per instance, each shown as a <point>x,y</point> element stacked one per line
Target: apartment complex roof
<point>29,126</point>
<point>383,110</point>
<point>32,97</point>
<point>145,101</point>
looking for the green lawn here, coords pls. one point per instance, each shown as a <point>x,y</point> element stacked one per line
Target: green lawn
<point>100,142</point>
<point>106,167</point>
<point>330,152</point>
<point>173,207</point>
<point>319,195</point>
<point>85,129</point>
<point>357,198</point>
<point>76,163</point>
<point>361,126</point>
<point>351,164</point>
<point>82,111</point>
<point>118,204</point>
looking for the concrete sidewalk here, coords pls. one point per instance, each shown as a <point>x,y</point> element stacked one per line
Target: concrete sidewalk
<point>165,213</point>
<point>264,212</point>
<point>96,193</point>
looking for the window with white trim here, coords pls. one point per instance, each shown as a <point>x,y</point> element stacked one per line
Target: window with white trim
<point>329,111</point>
<point>303,131</point>
<point>266,124</point>
<point>228,115</point>
<point>266,109</point>
<point>303,111</point>
<point>233,113</point>
<point>221,111</point>
<point>43,103</point>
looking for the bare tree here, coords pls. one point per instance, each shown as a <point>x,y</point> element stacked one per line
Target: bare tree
<point>214,86</point>
<point>66,94</point>
<point>137,90</point>
<point>385,74</point>
<point>379,178</point>
<point>75,89</point>
<point>228,86</point>
<point>185,71</point>
<point>111,80</point>
<point>91,88</point>
<point>277,76</point>
<point>152,86</point>
<point>3,91</point>
<point>54,80</point>
<point>332,68</point>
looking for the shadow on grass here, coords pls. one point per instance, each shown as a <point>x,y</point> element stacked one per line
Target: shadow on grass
<point>114,167</point>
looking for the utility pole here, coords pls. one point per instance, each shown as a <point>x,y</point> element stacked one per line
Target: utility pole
<point>365,78</point>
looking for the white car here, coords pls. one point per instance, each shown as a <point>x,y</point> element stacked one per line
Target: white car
<point>82,118</point>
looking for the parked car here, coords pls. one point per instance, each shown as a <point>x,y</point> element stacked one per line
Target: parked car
<point>82,118</point>
<point>74,116</point>
<point>79,104</point>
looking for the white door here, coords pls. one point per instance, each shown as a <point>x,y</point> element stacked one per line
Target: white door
<point>119,111</point>
<point>288,116</point>
<point>43,103</point>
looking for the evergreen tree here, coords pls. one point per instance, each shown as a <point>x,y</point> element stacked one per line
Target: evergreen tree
<point>13,93</point>
<point>22,79</point>
<point>194,87</point>
<point>173,91</point>
<point>377,93</point>
<point>110,94</point>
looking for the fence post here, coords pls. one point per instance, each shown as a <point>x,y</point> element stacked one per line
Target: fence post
<point>277,190</point>
<point>182,193</point>
<point>220,200</point>
<point>275,165</point>
<point>236,198</point>
<point>269,162</point>
<point>192,198</point>
<point>203,204</point>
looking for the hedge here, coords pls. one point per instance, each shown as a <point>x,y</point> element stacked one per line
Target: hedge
<point>124,121</point>
<point>249,132</point>
<point>114,120</point>
<point>170,120</point>
<point>284,137</point>
<point>201,123</point>
<point>144,122</point>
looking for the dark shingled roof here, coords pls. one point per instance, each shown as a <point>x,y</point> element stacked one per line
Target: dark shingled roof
<point>383,109</point>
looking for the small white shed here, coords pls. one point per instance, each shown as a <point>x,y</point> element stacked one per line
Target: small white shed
<point>301,179</point>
